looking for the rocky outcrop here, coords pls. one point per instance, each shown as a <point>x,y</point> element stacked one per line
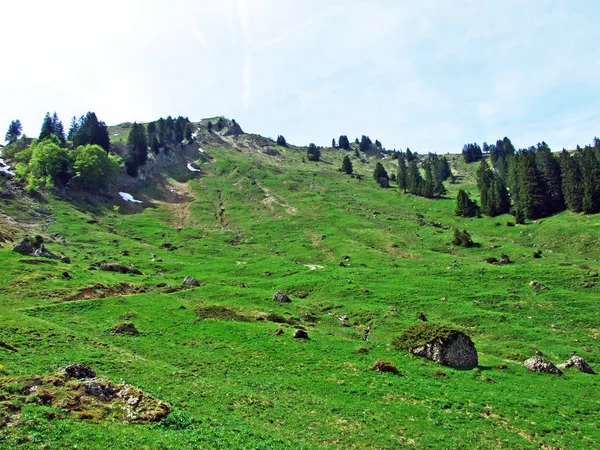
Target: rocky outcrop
<point>35,247</point>
<point>300,334</point>
<point>579,363</point>
<point>457,351</point>
<point>78,371</point>
<point>114,267</point>
<point>281,297</point>
<point>539,364</point>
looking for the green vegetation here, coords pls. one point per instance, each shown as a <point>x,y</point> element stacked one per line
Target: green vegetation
<point>357,261</point>
<point>423,333</point>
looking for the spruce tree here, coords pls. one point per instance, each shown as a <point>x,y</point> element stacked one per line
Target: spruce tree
<point>381,176</point>
<point>549,166</point>
<point>347,165</point>
<point>484,182</point>
<point>92,131</point>
<point>590,170</point>
<point>46,130</point>
<point>15,129</point>
<point>333,143</point>
<point>402,173</point>
<point>280,141</point>
<point>465,207</point>
<point>414,180</point>
<point>74,128</point>
<point>137,149</point>
<point>572,180</point>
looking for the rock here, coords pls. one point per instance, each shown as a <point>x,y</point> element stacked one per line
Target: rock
<point>281,297</point>
<point>278,332</point>
<point>384,366</point>
<point>345,258</point>
<point>539,364</point>
<point>267,274</point>
<point>66,260</point>
<point>24,247</point>
<point>78,371</point>
<point>300,334</point>
<point>126,328</point>
<point>579,363</point>
<point>442,344</point>
<point>365,290</point>
<point>113,267</point>
<point>421,316</point>
<point>190,281</point>
<point>67,275</point>
<point>538,286</point>
<point>34,247</point>
<point>124,253</point>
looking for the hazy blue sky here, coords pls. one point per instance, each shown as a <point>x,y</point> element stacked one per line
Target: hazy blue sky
<point>430,75</point>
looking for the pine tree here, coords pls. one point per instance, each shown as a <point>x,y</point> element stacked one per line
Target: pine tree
<point>572,180</point>
<point>280,141</point>
<point>414,180</point>
<point>465,207</point>
<point>590,170</point>
<point>381,176</point>
<point>343,142</point>
<point>347,165</point>
<point>15,129</point>
<point>154,144</point>
<point>46,130</point>
<point>532,189</point>
<point>92,131</point>
<point>549,166</point>
<point>74,128</point>
<point>189,130</point>
<point>138,149</point>
<point>402,173</point>
<point>58,129</point>
<point>333,143</point>
<point>484,182</point>
<point>365,143</point>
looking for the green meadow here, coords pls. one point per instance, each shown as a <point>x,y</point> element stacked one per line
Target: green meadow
<point>251,224</point>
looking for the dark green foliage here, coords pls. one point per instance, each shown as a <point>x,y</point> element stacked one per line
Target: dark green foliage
<point>209,126</point>
<point>15,129</point>
<point>465,207</point>
<point>73,129</point>
<point>333,145</point>
<point>462,238</point>
<point>154,144</point>
<point>414,180</point>
<point>549,166</point>
<point>402,172</point>
<point>410,156</point>
<point>527,187</point>
<point>313,152</point>
<point>281,141</point>
<point>137,149</point>
<point>378,144</point>
<point>343,142</point>
<point>381,176</point>
<point>472,153</point>
<point>91,131</point>
<point>500,155</point>
<point>189,130</point>
<point>347,165</point>
<point>590,171</point>
<point>572,180</point>
<point>423,333</point>
<point>494,196</point>
<point>365,143</point>
<point>52,126</point>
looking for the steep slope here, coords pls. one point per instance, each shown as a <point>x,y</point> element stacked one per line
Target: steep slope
<point>260,218</point>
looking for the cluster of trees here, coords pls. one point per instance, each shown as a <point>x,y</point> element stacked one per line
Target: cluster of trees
<point>55,159</point>
<point>436,169</point>
<point>281,141</point>
<point>472,153</point>
<point>533,183</point>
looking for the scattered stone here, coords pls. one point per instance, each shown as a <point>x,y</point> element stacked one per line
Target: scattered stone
<point>362,350</point>
<point>267,274</point>
<point>579,363</point>
<point>190,281</point>
<point>421,316</point>
<point>34,247</point>
<point>124,252</point>
<point>539,364</point>
<point>345,258</point>
<point>442,344</point>
<point>126,328</point>
<point>444,299</point>
<point>538,286</point>
<point>66,260</point>
<point>78,371</point>
<point>67,275</point>
<point>342,264</point>
<point>300,334</point>
<point>281,297</point>
<point>279,332</point>
<point>384,366</point>
<point>365,290</point>
<point>501,367</point>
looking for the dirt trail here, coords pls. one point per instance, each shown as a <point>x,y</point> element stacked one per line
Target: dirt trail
<point>177,197</point>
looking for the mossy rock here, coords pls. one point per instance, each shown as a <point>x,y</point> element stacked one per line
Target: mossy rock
<point>423,333</point>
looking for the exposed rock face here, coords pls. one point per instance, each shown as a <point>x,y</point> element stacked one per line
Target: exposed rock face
<point>539,364</point>
<point>579,363</point>
<point>456,351</point>
<point>233,129</point>
<point>384,366</point>
<point>190,281</point>
<point>281,297</point>
<point>300,334</point>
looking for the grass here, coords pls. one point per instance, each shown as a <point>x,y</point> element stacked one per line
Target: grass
<point>258,224</point>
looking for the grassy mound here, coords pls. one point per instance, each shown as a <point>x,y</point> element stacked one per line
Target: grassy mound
<point>422,333</point>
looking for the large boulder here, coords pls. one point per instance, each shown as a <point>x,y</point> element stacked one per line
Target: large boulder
<point>34,247</point>
<point>300,334</point>
<point>539,364</point>
<point>579,363</point>
<point>442,344</point>
<point>190,281</point>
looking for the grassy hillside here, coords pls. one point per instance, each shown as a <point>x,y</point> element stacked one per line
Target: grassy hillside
<point>258,219</point>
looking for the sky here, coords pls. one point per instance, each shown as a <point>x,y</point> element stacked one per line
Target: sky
<point>428,75</point>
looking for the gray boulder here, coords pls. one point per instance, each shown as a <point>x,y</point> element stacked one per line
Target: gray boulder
<point>456,351</point>
<point>579,363</point>
<point>539,364</point>
<point>300,334</point>
<point>34,247</point>
<point>190,281</point>
<point>281,297</point>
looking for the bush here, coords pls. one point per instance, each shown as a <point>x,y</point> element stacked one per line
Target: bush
<point>462,238</point>
<point>94,167</point>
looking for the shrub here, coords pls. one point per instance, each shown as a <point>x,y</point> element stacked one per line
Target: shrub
<point>423,333</point>
<point>462,238</point>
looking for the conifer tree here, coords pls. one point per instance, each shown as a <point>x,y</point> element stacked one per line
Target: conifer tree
<point>347,165</point>
<point>402,173</point>
<point>280,141</point>
<point>343,142</point>
<point>572,180</point>
<point>138,149</point>
<point>549,166</point>
<point>92,131</point>
<point>73,128</point>
<point>46,130</point>
<point>590,171</point>
<point>414,180</point>
<point>381,176</point>
<point>15,129</point>
<point>465,207</point>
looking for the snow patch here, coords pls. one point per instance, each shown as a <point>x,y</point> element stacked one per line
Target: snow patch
<point>5,168</point>
<point>191,168</point>
<point>201,150</point>
<point>129,198</point>
<point>314,266</point>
